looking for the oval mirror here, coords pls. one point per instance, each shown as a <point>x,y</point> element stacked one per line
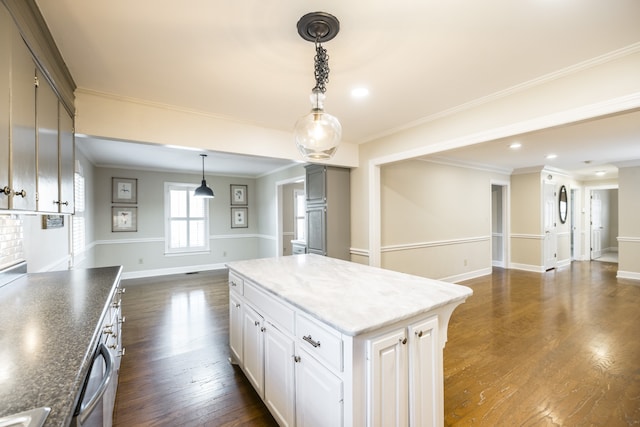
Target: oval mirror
<point>562,203</point>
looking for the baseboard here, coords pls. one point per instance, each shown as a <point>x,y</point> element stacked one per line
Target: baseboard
<point>467,276</point>
<point>527,267</point>
<point>628,275</point>
<point>168,271</point>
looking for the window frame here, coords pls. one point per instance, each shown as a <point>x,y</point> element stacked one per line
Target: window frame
<point>188,250</point>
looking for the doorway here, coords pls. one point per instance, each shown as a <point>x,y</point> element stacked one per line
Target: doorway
<point>550,245</point>
<point>499,234</point>
<point>604,224</point>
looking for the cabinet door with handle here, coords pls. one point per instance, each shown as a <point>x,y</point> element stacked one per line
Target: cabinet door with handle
<point>279,388</point>
<point>425,380</point>
<point>47,119</point>
<point>235,328</point>
<point>23,122</point>
<point>319,394</point>
<point>253,346</point>
<point>388,403</point>
<point>66,165</point>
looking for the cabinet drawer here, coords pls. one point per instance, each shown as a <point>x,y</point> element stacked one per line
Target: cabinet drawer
<point>320,341</point>
<point>271,309</point>
<point>236,283</point>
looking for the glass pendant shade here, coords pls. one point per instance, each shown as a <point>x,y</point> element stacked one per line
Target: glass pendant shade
<point>203,191</point>
<point>317,134</point>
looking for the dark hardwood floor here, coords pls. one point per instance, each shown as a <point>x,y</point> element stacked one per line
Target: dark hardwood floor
<point>560,348</point>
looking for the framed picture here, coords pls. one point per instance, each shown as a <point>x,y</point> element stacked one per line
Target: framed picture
<point>124,190</point>
<point>239,217</point>
<point>124,218</point>
<point>52,221</point>
<point>238,194</point>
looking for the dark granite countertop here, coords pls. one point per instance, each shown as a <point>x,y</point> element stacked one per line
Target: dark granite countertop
<point>48,332</point>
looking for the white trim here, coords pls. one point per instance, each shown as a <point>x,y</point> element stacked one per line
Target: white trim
<point>174,270</point>
<point>359,252</point>
<point>375,221</point>
<point>279,214</point>
<point>61,264</point>
<point>628,239</point>
<point>564,263</point>
<point>632,275</point>
<point>527,236</point>
<point>161,239</point>
<point>466,165</point>
<point>432,244</point>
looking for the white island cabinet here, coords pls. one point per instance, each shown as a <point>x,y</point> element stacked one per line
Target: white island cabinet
<point>327,342</point>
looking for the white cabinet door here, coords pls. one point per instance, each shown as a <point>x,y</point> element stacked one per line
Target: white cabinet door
<point>279,386</point>
<point>5,84</point>
<point>235,328</point>
<point>425,381</point>
<point>388,382</point>
<point>253,345</point>
<point>319,394</point>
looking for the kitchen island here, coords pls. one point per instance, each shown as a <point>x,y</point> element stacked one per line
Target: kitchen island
<point>334,343</point>
<point>50,324</point>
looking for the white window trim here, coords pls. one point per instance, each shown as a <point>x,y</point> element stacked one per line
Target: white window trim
<point>168,251</point>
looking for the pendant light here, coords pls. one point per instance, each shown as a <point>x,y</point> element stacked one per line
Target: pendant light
<point>203,191</point>
<point>318,134</point>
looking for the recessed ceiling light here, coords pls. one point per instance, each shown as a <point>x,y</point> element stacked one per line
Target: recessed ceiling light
<point>600,173</point>
<point>360,92</point>
<point>515,145</point>
<point>551,156</point>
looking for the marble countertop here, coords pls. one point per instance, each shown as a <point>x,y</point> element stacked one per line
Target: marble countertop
<point>351,297</point>
<point>48,332</point>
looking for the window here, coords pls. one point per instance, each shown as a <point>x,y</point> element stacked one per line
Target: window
<point>187,219</point>
<point>299,214</point>
<point>78,220</point>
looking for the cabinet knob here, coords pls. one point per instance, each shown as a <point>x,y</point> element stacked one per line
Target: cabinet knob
<point>263,329</point>
<point>237,305</point>
<point>257,323</point>
<point>296,359</point>
<point>233,284</point>
<point>22,193</point>
<point>6,191</point>
<point>58,202</point>
<point>419,334</point>
<point>403,340</point>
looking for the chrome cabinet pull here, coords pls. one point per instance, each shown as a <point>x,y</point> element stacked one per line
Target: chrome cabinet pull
<point>59,202</point>
<point>6,191</point>
<point>22,193</point>
<point>310,340</point>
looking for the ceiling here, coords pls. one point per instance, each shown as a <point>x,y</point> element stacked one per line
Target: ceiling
<point>245,61</point>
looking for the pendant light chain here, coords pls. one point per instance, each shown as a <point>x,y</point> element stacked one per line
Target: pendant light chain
<point>321,68</point>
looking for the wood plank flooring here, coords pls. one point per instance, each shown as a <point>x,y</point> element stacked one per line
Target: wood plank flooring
<point>560,348</point>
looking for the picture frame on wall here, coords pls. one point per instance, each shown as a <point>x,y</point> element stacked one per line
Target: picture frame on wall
<point>52,221</point>
<point>239,217</point>
<point>124,218</point>
<point>124,190</point>
<point>238,194</point>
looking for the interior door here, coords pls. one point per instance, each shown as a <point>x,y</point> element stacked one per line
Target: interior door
<point>550,236</point>
<point>596,225</point>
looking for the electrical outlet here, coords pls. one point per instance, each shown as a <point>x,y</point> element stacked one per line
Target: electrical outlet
<point>224,253</point>
<point>465,262</point>
<point>140,261</point>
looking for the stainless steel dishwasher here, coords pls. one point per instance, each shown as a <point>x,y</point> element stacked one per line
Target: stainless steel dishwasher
<point>94,408</point>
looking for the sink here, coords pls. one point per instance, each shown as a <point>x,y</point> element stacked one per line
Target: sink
<point>32,418</point>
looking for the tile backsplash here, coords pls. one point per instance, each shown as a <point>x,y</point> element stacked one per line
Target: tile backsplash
<point>11,238</point>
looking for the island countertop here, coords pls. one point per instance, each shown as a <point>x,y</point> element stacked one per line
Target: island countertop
<point>48,332</point>
<point>351,297</point>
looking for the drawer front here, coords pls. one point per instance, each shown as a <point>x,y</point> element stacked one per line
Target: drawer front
<point>236,283</point>
<point>269,307</point>
<point>320,341</point>
<point>298,249</point>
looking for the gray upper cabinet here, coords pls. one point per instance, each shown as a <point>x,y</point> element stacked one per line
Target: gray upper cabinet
<point>66,157</point>
<point>18,168</point>
<point>36,130</point>
<point>47,119</point>
<point>328,211</point>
